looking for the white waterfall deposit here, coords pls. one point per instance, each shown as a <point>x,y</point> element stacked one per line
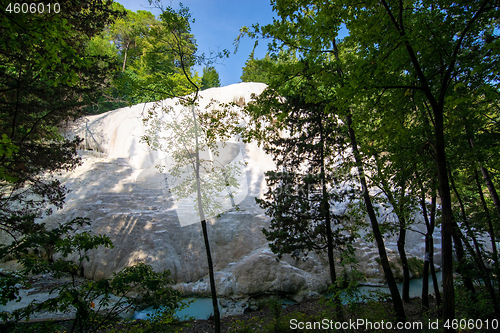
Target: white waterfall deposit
<point>119,189</point>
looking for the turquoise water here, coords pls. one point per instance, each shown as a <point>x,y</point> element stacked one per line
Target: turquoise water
<point>415,288</point>
<point>201,308</point>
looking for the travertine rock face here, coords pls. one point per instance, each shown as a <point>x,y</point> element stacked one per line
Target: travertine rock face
<point>118,188</point>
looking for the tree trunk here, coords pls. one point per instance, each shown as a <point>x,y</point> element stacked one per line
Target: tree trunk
<point>477,256</point>
<point>125,57</point>
<point>404,262</point>
<point>491,188</point>
<point>435,282</point>
<point>459,250</point>
<point>431,252</point>
<point>329,236</point>
<point>396,299</point>
<point>331,264</point>
<point>425,274</point>
<point>447,224</point>
<point>399,210</point>
<point>494,196</point>
<point>201,212</point>
<point>428,235</point>
<point>402,241</point>
<point>496,203</point>
<point>213,291</point>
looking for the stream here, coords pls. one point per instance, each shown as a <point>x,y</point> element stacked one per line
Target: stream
<point>415,287</point>
<point>201,308</point>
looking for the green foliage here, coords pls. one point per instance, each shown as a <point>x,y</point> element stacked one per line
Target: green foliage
<point>49,70</point>
<point>61,252</point>
<point>47,74</point>
<point>48,53</point>
<point>378,309</point>
<point>210,78</point>
<point>146,62</point>
<point>257,70</point>
<point>7,148</point>
<point>52,69</point>
<point>129,33</point>
<point>277,324</point>
<point>473,305</point>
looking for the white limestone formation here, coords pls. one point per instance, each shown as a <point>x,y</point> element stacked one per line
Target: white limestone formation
<point>121,191</point>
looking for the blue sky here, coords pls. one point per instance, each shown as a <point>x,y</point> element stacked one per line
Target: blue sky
<point>217,24</point>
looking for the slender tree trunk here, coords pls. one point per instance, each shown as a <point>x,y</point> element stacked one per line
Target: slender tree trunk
<point>331,258</point>
<point>491,188</point>
<point>428,235</point>
<point>201,212</point>
<point>329,236</point>
<point>399,210</point>
<point>396,298</point>
<point>425,275</point>
<point>447,224</point>
<point>459,250</point>
<point>125,57</point>
<point>496,203</point>
<point>331,261</point>
<point>435,282</point>
<point>491,231</point>
<point>404,261</point>
<point>494,196</point>
<point>213,291</point>
<point>431,253</point>
<point>402,241</point>
<point>479,261</point>
<point>483,271</point>
<point>429,258</point>
<point>429,249</point>
<point>325,206</point>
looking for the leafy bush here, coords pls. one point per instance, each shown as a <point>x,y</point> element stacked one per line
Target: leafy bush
<point>472,305</point>
<point>93,303</point>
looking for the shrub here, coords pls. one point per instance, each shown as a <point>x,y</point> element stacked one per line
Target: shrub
<point>94,303</point>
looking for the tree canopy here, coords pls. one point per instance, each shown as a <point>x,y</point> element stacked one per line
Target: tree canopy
<point>257,70</point>
<point>47,74</point>
<point>210,78</point>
